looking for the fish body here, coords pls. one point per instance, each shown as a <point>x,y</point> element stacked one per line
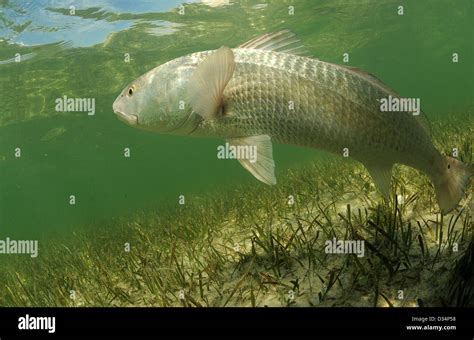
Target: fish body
<point>306,102</point>
<point>263,92</point>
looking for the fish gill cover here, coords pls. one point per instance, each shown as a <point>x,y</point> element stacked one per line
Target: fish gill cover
<point>359,115</point>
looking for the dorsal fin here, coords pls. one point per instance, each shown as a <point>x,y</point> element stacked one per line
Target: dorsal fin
<point>373,79</point>
<point>281,41</point>
<point>421,118</point>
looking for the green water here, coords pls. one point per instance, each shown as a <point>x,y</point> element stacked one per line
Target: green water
<point>82,56</point>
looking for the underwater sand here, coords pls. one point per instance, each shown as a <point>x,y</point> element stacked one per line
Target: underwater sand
<point>249,247</point>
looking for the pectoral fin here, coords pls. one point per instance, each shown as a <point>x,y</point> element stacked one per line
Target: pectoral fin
<point>263,166</point>
<point>208,82</point>
<point>381,174</point>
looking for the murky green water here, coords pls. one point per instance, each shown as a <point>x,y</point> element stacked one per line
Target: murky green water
<point>84,56</point>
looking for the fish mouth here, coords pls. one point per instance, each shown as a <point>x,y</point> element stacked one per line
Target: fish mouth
<point>127,118</point>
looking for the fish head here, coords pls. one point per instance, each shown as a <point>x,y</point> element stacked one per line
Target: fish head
<point>157,100</point>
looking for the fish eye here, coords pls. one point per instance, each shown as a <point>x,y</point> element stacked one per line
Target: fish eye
<point>131,90</point>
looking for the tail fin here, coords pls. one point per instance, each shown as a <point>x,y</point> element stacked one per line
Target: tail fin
<point>451,183</point>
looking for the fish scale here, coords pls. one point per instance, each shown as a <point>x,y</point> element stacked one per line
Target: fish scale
<point>332,107</point>
<point>258,94</point>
